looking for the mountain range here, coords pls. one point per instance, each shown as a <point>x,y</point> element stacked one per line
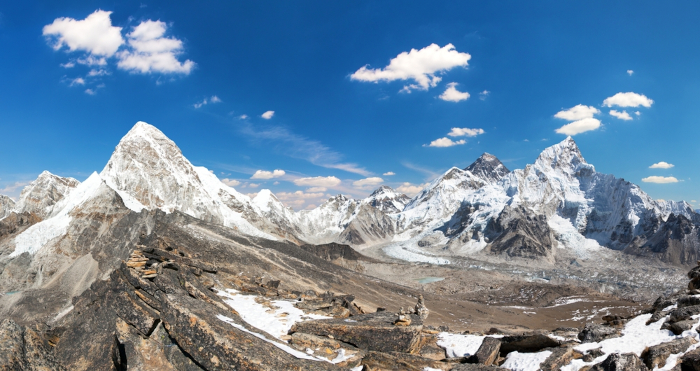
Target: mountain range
<point>559,201</point>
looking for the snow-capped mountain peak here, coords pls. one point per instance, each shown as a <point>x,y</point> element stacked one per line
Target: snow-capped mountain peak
<point>41,195</point>
<point>488,167</point>
<point>149,169</point>
<point>564,156</point>
<point>387,200</point>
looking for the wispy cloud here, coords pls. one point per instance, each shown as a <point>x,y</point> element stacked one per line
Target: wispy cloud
<point>298,146</point>
<point>429,174</point>
<point>14,189</point>
<point>213,99</point>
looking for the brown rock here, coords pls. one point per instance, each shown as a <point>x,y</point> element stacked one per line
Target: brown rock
<point>396,361</point>
<point>488,351</point>
<point>526,343</point>
<point>558,358</point>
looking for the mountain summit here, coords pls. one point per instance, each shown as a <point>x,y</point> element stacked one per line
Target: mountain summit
<point>488,167</point>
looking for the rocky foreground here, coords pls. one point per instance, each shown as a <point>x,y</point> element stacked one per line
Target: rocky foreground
<point>181,306</point>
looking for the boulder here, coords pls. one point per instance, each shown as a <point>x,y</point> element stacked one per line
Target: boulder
<point>526,343</point>
<point>688,300</point>
<point>657,355</point>
<point>680,326</point>
<point>684,313</point>
<point>373,331</point>
<point>594,332</point>
<point>488,351</point>
<point>691,361</point>
<point>621,362</point>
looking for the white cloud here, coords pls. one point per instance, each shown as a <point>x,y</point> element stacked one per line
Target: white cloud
<point>410,189</point>
<point>231,182</point>
<point>212,100</point>
<point>77,81</point>
<point>92,61</point>
<point>317,189</point>
<point>660,179</point>
<point>580,126</point>
<point>90,92</point>
<point>95,72</point>
<point>461,132</point>
<point>389,173</point>
<point>94,34</point>
<point>484,94</point>
<point>253,185</point>
<point>451,94</point>
<point>637,113</point>
<point>420,66</point>
<point>268,115</point>
<point>243,117</point>
<point>151,52</point>
<point>630,72</point>
<point>70,64</point>
<point>628,99</point>
<point>578,112</point>
<point>661,165</point>
<point>445,142</point>
<point>319,181</point>
<point>263,174</point>
<point>621,115</point>
<point>368,182</point>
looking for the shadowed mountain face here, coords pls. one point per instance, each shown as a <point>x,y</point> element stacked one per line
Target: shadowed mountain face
<point>488,167</point>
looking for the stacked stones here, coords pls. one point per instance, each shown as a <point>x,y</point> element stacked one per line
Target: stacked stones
<point>140,263</point>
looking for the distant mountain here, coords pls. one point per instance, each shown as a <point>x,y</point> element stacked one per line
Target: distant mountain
<point>387,200</point>
<point>41,195</point>
<point>6,206</point>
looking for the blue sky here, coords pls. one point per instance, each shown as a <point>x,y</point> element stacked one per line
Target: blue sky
<point>75,78</point>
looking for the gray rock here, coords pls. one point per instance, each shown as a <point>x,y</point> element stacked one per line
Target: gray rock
<point>621,362</point>
<point>594,332</point>
<point>657,355</point>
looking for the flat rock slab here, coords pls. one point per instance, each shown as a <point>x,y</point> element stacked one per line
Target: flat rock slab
<point>374,331</point>
<point>396,361</point>
<point>217,345</point>
<point>488,351</point>
<point>526,343</point>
